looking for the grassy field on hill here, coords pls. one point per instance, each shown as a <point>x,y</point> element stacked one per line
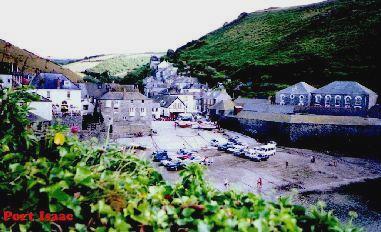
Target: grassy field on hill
<point>122,64</point>
<point>267,50</point>
<point>31,63</point>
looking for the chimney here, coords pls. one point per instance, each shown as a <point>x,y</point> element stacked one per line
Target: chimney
<point>124,94</point>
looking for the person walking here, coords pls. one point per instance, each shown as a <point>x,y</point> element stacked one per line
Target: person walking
<point>226,183</point>
<point>259,183</point>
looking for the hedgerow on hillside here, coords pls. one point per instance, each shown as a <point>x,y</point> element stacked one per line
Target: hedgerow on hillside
<point>107,189</point>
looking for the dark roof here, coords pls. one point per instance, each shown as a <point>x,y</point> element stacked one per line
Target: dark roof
<point>123,96</point>
<point>298,88</point>
<point>95,90</point>
<point>52,81</point>
<point>165,100</point>
<point>242,101</point>
<point>344,87</point>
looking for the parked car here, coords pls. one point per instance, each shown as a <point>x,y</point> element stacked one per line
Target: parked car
<point>268,149</point>
<point>252,154</point>
<point>159,156</point>
<point>235,148</point>
<point>240,152</point>
<point>225,146</point>
<point>160,152</point>
<point>175,166</point>
<point>263,157</point>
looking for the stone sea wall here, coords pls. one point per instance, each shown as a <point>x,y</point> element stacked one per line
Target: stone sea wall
<point>360,140</point>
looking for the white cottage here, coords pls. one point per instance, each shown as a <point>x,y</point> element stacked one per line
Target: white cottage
<point>64,94</point>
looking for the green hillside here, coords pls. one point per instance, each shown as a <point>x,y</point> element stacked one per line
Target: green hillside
<point>267,50</point>
<point>121,65</point>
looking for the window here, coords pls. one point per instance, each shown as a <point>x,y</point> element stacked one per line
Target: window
<point>358,101</point>
<point>282,98</point>
<point>108,103</point>
<point>68,94</point>
<point>131,111</point>
<point>292,96</point>
<point>116,104</point>
<point>142,111</point>
<point>317,99</point>
<point>142,101</point>
<point>301,100</point>
<point>337,100</point>
<point>347,101</point>
<point>327,100</point>
<point>85,107</point>
<point>132,101</point>
<point>125,118</point>
<point>47,94</point>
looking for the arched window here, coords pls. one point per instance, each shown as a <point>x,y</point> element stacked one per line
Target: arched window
<point>292,96</point>
<point>301,100</point>
<point>347,101</point>
<point>337,100</point>
<point>327,100</point>
<point>317,99</point>
<point>358,102</point>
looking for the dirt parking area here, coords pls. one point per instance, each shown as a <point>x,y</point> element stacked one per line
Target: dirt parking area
<point>243,174</point>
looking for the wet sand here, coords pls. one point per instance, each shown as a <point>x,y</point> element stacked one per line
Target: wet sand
<point>319,180</point>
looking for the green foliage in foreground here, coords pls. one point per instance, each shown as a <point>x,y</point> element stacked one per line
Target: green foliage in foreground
<point>111,190</point>
<point>319,43</point>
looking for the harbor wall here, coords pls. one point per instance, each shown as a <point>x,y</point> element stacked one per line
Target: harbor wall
<point>357,140</point>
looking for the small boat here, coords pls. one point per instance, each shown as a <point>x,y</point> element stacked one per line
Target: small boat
<point>204,126</point>
<point>184,124</point>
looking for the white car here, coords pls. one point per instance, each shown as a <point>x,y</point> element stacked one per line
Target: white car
<point>268,149</point>
<point>252,154</point>
<point>235,148</point>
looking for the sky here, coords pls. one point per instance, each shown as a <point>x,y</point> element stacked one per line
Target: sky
<point>78,28</point>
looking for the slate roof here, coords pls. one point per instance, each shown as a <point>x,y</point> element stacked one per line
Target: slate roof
<point>223,105</point>
<point>165,100</point>
<point>123,96</point>
<point>95,90</point>
<point>242,101</point>
<point>52,81</point>
<point>345,87</point>
<point>298,88</point>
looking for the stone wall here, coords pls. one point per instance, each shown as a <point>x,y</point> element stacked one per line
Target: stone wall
<point>69,120</point>
<point>360,140</point>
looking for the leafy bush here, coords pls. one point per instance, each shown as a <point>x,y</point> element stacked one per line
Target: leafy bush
<point>108,189</point>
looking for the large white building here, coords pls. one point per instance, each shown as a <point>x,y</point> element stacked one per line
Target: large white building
<point>64,94</point>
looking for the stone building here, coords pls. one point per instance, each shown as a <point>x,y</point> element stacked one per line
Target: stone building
<point>344,94</point>
<point>298,94</point>
<point>170,106</point>
<point>211,97</point>
<point>127,113</point>
<point>222,108</point>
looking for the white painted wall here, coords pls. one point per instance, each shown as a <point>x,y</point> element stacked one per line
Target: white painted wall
<point>59,95</point>
<point>42,109</point>
<point>189,101</point>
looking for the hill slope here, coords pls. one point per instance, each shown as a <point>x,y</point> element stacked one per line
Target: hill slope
<point>267,50</point>
<point>116,64</point>
<point>30,63</point>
